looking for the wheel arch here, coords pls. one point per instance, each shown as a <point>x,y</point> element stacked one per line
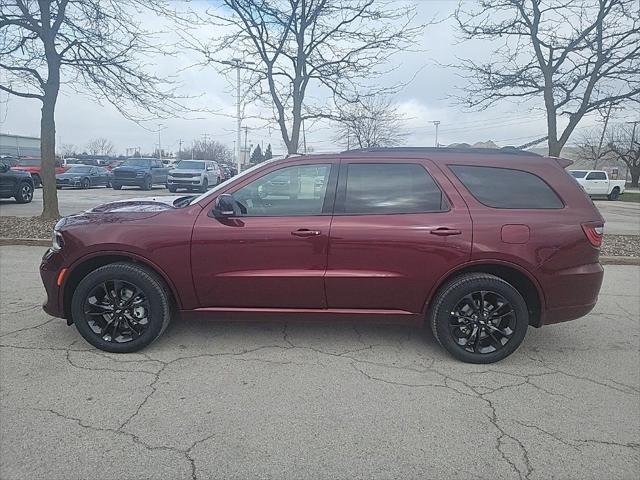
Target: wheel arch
<point>518,277</point>
<point>87,264</point>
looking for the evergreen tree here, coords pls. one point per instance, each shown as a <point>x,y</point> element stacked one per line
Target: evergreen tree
<point>256,156</point>
<point>267,153</point>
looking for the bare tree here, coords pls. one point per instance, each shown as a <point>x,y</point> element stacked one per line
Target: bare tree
<point>67,150</point>
<point>94,47</point>
<point>100,146</point>
<point>578,56</point>
<point>624,144</point>
<point>371,122</point>
<point>334,48</point>
<point>208,150</point>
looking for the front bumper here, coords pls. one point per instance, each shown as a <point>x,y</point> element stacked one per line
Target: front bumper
<point>185,182</point>
<point>67,183</point>
<point>128,182</point>
<point>50,267</point>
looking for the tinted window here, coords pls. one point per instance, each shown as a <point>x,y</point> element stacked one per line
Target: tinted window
<point>290,191</point>
<point>77,169</point>
<point>29,163</point>
<point>388,188</point>
<point>506,188</point>
<point>578,173</point>
<point>596,176</point>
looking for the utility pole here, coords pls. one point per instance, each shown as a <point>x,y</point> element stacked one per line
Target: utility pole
<point>205,136</point>
<point>436,123</point>
<point>180,149</point>
<point>160,128</point>
<point>238,63</point>
<point>304,138</point>
<point>246,131</point>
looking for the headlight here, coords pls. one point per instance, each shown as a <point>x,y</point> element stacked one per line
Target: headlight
<point>57,242</point>
<point>140,174</point>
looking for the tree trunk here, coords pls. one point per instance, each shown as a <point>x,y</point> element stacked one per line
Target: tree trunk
<point>554,148</point>
<point>48,156</point>
<point>635,175</point>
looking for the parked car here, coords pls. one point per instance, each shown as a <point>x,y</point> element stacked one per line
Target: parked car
<point>227,171</point>
<point>84,176</point>
<point>15,183</point>
<point>597,182</point>
<point>194,175</point>
<point>140,172</point>
<point>34,167</point>
<point>478,244</point>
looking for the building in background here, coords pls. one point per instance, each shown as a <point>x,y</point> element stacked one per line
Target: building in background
<point>19,145</point>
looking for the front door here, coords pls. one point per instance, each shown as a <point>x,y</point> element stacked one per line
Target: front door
<point>394,235</point>
<point>596,183</point>
<point>273,252</point>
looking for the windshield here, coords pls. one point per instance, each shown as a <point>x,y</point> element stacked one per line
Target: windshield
<point>190,165</point>
<point>233,179</point>
<point>578,173</point>
<point>136,162</point>
<point>76,169</point>
<point>29,163</point>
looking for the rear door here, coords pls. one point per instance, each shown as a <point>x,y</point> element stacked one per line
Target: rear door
<point>394,234</point>
<point>597,183</point>
<point>273,252</point>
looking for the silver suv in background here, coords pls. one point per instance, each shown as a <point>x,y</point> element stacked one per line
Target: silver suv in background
<point>194,175</point>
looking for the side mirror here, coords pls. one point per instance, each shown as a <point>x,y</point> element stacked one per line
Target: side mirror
<point>224,206</point>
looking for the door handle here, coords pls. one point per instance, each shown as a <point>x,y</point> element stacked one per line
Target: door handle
<point>305,232</point>
<point>445,231</point>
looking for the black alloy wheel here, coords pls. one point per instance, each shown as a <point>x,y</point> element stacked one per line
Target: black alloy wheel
<point>482,322</point>
<point>121,307</point>
<point>85,183</point>
<point>117,311</point>
<point>479,318</point>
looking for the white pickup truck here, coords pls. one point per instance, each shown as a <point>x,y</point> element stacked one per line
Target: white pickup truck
<point>597,182</point>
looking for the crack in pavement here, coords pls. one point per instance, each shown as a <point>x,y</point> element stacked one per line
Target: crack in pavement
<point>52,319</point>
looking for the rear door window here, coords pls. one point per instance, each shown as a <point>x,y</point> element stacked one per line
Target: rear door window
<point>596,176</point>
<point>391,188</point>
<point>506,188</point>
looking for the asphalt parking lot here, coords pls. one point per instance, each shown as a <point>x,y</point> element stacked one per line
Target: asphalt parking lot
<point>623,218</point>
<point>249,400</point>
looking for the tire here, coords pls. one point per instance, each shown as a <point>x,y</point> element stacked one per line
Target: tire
<point>146,184</point>
<point>116,186</point>
<point>85,184</point>
<point>205,185</point>
<point>24,193</point>
<point>37,181</point>
<point>108,184</point>
<point>444,322</point>
<point>156,307</point>
<point>172,188</point>
<point>218,181</point>
<point>614,195</point>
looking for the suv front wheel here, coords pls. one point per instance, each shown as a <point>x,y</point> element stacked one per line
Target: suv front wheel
<point>479,318</point>
<point>121,307</point>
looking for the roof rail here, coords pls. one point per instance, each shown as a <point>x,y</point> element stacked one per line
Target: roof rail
<point>477,151</point>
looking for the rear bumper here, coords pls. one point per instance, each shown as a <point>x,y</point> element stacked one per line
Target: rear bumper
<point>572,293</point>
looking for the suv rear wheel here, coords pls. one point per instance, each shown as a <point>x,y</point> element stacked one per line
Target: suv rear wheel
<point>121,307</point>
<point>24,193</point>
<point>479,318</point>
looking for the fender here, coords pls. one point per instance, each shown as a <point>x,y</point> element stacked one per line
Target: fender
<point>487,262</point>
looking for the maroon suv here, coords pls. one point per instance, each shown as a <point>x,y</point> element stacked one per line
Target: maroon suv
<point>479,244</point>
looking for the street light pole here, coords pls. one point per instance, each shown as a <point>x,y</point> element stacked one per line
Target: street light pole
<point>436,123</point>
<point>238,63</point>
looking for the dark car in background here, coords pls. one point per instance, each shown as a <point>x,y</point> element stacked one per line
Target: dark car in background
<point>84,176</point>
<point>15,183</point>
<point>140,172</point>
<point>477,244</point>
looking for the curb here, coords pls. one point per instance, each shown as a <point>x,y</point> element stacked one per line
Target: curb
<point>42,242</point>
<point>608,260</point>
<point>30,242</point>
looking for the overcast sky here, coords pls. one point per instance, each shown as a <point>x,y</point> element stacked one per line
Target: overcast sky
<point>426,99</point>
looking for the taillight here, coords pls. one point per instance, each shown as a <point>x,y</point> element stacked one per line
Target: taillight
<point>594,232</point>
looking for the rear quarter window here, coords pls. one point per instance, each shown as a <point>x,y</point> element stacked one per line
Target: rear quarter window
<point>506,188</point>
